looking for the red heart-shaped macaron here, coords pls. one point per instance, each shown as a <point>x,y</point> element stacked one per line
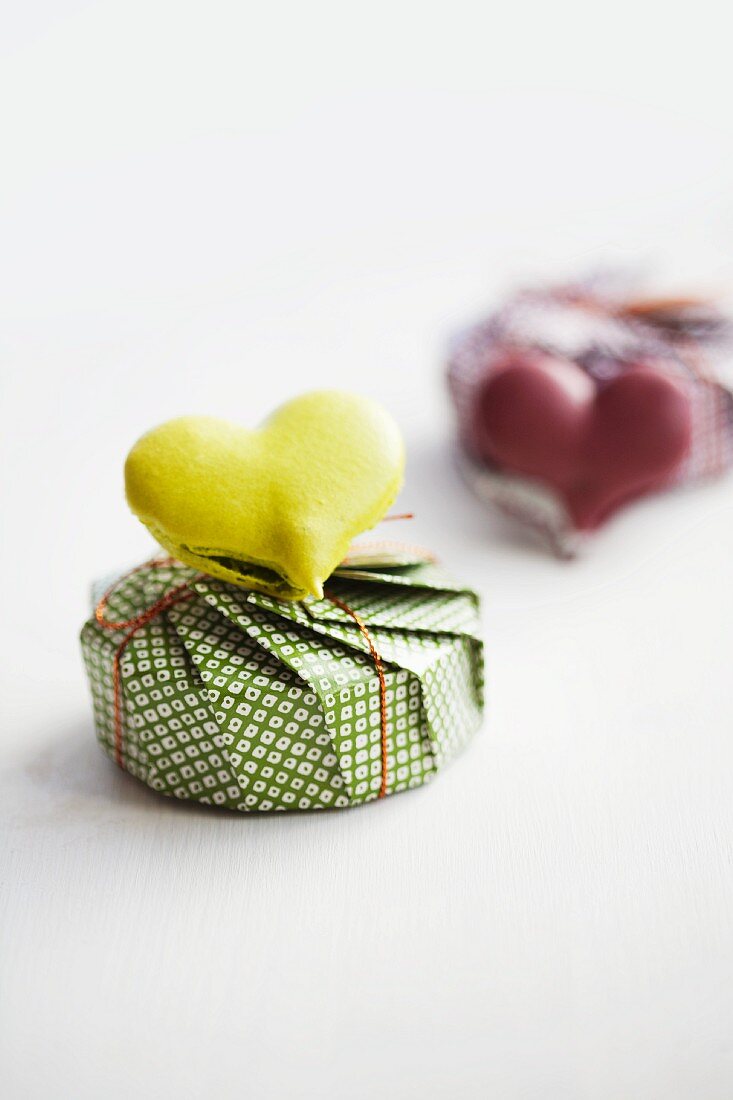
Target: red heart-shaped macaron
<point>598,446</point>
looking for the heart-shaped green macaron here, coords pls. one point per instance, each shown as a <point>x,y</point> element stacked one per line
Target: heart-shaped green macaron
<point>274,508</point>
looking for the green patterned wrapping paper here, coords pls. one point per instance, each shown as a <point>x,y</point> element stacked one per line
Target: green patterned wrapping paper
<point>237,699</point>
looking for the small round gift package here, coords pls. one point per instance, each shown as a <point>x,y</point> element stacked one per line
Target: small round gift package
<point>572,401</point>
<point>265,661</point>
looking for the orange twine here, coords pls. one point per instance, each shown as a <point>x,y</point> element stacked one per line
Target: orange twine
<point>382,682</point>
<point>177,595</point>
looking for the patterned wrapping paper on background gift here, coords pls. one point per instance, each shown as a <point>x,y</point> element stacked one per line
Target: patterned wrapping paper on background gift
<point>586,322</point>
<point>241,700</point>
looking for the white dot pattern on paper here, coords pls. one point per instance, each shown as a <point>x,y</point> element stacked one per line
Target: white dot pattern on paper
<point>236,699</point>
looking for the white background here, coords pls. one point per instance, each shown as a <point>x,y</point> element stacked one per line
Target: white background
<point>210,207</point>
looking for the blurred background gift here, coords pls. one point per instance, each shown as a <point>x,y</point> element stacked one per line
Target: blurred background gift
<point>575,400</point>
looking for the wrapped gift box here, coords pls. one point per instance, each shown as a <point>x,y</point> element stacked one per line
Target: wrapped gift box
<point>214,693</point>
<point>603,329</point>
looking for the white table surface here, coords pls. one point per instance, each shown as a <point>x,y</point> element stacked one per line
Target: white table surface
<point>210,209</point>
